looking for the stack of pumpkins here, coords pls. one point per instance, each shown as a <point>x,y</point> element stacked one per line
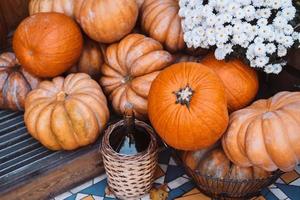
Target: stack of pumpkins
<point>130,50</point>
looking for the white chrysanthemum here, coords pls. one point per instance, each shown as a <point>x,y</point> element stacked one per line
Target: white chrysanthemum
<point>262,22</point>
<point>212,3</point>
<point>288,41</point>
<point>280,22</point>
<point>211,41</point>
<point>243,2</point>
<point>228,48</point>
<point>286,3</point>
<point>222,37</point>
<point>239,38</point>
<point>237,28</point>
<point>222,2</point>
<point>210,32</point>
<point>277,68</point>
<point>276,4</point>
<point>257,3</point>
<point>296,35</point>
<point>245,44</point>
<point>270,48</point>
<point>239,13</point>
<point>264,13</point>
<point>269,69</point>
<point>260,49</point>
<point>220,54</point>
<point>264,32</point>
<point>211,20</point>
<point>289,13</point>
<point>250,52</point>
<point>288,30</point>
<point>261,61</point>
<point>228,30</point>
<point>227,17</point>
<point>220,45</point>
<point>207,10</point>
<point>249,11</point>
<point>281,51</point>
<point>258,40</point>
<point>280,38</point>
<point>232,7</point>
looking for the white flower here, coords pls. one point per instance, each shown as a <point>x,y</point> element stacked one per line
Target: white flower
<point>276,4</point>
<point>207,10</point>
<point>281,51</point>
<point>228,29</point>
<point>227,17</point>
<point>237,28</point>
<point>277,68</point>
<point>245,44</point>
<point>222,37</point>
<point>259,49</point>
<point>262,22</point>
<point>211,41</point>
<point>280,22</point>
<point>286,3</point>
<point>232,7</point>
<point>220,54</point>
<point>295,35</point>
<point>261,61</point>
<point>289,13</point>
<point>220,45</point>
<point>221,2</point>
<point>280,38</point>
<point>288,41</point>
<point>288,30</point>
<point>239,38</point>
<point>257,3</point>
<point>249,11</point>
<point>212,3</point>
<point>228,48</point>
<point>239,13</point>
<point>269,69</point>
<point>210,32</point>
<point>219,20</point>
<point>211,20</point>
<point>243,2</point>
<point>258,40</point>
<point>270,48</point>
<point>264,13</point>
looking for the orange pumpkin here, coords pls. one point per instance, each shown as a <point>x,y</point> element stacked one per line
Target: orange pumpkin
<point>140,3</point>
<point>106,21</point>
<point>52,47</point>
<point>90,61</point>
<point>15,82</point>
<point>187,106</point>
<point>60,6</point>
<point>66,113</point>
<point>160,19</point>
<point>241,81</point>
<point>266,134</point>
<point>214,163</point>
<point>129,70</point>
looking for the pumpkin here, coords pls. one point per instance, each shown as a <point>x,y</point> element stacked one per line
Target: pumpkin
<point>266,134</point>
<point>130,67</point>
<point>214,163</point>
<point>90,61</point>
<point>140,3</point>
<point>52,47</point>
<point>106,21</point>
<point>187,106</point>
<point>15,82</point>
<point>160,19</point>
<point>241,81</point>
<point>61,6</point>
<point>66,113</point>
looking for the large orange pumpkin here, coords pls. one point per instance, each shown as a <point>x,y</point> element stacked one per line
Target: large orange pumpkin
<point>47,44</point>
<point>187,106</point>
<point>160,19</point>
<point>91,59</point>
<point>66,113</point>
<point>129,70</point>
<point>241,81</point>
<point>266,134</point>
<point>15,82</point>
<point>106,21</point>
<point>61,6</point>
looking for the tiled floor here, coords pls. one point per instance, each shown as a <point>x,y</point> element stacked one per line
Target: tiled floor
<point>181,186</point>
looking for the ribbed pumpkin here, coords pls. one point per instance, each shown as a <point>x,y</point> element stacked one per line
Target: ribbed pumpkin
<point>160,19</point>
<point>106,21</point>
<point>241,81</point>
<point>187,106</point>
<point>140,3</point>
<point>66,113</point>
<point>214,163</point>
<point>266,134</point>
<point>52,47</point>
<point>61,6</point>
<point>90,61</point>
<point>130,68</point>
<point>15,82</point>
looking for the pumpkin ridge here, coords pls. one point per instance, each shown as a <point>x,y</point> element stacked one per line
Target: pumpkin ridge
<point>146,14</point>
<point>170,26</point>
<point>160,12</point>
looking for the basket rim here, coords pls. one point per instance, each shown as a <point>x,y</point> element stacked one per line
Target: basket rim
<point>152,147</point>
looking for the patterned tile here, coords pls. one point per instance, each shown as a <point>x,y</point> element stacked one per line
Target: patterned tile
<point>181,187</point>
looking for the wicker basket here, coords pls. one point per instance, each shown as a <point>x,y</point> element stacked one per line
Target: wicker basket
<point>229,189</point>
<point>130,176</point>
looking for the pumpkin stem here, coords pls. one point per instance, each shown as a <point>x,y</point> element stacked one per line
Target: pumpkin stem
<point>61,96</point>
<point>184,96</point>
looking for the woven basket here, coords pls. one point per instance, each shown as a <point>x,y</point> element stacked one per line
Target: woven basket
<point>130,176</point>
<point>228,189</point>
